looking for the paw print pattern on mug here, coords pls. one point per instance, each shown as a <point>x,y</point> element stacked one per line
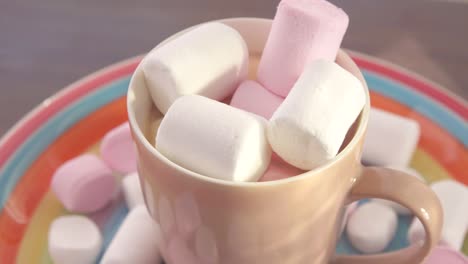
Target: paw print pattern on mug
<point>180,253</point>
<point>149,198</point>
<point>243,240</point>
<point>166,217</point>
<point>205,245</point>
<point>187,215</point>
<point>186,240</point>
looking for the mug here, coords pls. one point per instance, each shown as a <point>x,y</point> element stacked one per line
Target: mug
<point>294,220</point>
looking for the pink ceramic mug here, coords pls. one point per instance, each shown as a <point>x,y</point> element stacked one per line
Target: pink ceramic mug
<point>294,220</point>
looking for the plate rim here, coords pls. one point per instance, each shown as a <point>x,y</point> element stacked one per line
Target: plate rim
<point>28,118</point>
<point>127,62</point>
<point>433,85</point>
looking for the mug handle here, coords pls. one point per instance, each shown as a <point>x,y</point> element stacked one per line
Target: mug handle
<point>397,186</point>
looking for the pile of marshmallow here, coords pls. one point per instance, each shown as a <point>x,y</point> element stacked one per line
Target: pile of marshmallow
<point>301,106</point>
<point>87,185</point>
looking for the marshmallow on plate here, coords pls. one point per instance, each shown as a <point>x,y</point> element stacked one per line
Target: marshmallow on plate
<point>371,227</point>
<point>391,139</point>
<point>349,210</point>
<point>74,239</point>
<point>310,125</point>
<point>132,190</point>
<point>214,139</point>
<point>84,184</point>
<point>453,197</point>
<point>401,210</point>
<point>118,149</point>
<point>253,98</point>
<point>446,255</point>
<point>136,241</point>
<point>210,60</point>
<point>302,31</point>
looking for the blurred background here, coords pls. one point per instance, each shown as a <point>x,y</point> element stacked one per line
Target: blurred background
<point>45,45</point>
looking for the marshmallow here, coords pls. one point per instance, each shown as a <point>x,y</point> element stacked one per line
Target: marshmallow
<point>74,239</point>
<point>440,255</point>
<point>136,241</point>
<point>214,139</point>
<point>302,31</point>
<point>349,210</point>
<point>253,98</point>
<point>118,149</point>
<point>279,169</point>
<point>399,209</point>
<point>371,227</point>
<point>391,139</point>
<point>453,197</point>
<point>210,60</point>
<point>132,190</point>
<point>84,184</point>
<point>310,125</point>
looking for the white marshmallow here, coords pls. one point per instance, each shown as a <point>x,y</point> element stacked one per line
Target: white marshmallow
<point>136,241</point>
<point>399,209</point>
<point>310,125</point>
<point>454,199</point>
<point>391,139</point>
<point>372,227</point>
<point>132,190</point>
<point>74,239</point>
<point>214,139</point>
<point>210,60</point>
<point>349,210</point>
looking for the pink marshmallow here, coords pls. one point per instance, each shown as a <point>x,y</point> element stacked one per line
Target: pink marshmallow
<point>302,31</point>
<point>279,169</point>
<point>84,184</point>
<point>252,97</point>
<point>118,150</point>
<point>446,255</point>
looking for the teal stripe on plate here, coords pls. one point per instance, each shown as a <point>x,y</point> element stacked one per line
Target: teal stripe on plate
<point>51,130</point>
<point>420,103</point>
<point>112,226</point>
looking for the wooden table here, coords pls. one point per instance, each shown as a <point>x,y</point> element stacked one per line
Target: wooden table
<point>45,45</point>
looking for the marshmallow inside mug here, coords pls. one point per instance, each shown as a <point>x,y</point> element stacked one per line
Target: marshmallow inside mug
<point>255,32</point>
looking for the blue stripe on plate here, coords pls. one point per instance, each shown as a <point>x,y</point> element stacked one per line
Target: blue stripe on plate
<point>51,130</point>
<point>420,103</point>
<point>112,226</point>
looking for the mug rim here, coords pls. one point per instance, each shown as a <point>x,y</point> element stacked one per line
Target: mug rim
<point>139,136</point>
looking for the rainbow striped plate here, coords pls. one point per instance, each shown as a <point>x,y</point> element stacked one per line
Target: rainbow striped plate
<point>74,120</point>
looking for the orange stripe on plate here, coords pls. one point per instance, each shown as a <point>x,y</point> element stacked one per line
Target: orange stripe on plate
<point>436,141</point>
<point>35,182</point>
<point>33,247</point>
